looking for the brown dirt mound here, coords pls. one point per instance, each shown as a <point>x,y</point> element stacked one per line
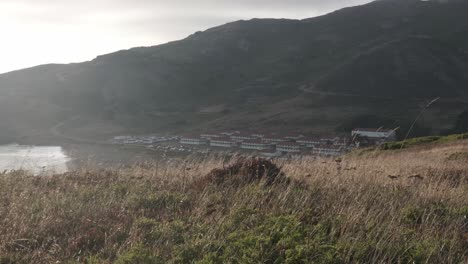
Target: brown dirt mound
<point>245,171</point>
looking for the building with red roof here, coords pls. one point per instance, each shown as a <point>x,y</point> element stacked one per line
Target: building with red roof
<point>223,143</point>
<point>328,150</point>
<point>289,147</point>
<point>193,140</point>
<point>256,145</point>
<point>309,142</point>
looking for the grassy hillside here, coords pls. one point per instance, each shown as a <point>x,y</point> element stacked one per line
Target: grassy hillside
<point>380,207</point>
<point>385,58</point>
<point>422,141</point>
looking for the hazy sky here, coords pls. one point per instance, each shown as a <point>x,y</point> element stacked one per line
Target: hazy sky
<point>60,31</point>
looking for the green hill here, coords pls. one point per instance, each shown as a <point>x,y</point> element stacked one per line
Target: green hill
<point>385,58</point>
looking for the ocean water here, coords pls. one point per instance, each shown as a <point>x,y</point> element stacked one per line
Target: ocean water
<point>34,159</point>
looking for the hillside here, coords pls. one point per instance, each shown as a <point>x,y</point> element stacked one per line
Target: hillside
<point>403,206</point>
<point>386,58</point>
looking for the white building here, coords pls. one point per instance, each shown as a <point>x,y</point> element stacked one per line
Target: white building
<point>229,133</point>
<point>193,140</point>
<point>210,135</point>
<point>309,142</point>
<point>289,147</point>
<point>375,133</point>
<point>223,143</point>
<point>258,135</point>
<point>341,142</point>
<point>255,145</point>
<point>328,141</point>
<point>294,137</point>
<point>327,150</point>
<point>242,137</point>
<point>274,139</point>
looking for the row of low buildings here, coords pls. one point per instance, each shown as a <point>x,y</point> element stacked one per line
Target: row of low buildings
<point>275,145</point>
<point>142,140</point>
<point>269,145</point>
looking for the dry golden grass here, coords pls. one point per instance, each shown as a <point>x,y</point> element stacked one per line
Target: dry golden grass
<point>406,206</point>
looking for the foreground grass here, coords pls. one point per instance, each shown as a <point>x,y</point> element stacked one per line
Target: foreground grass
<point>406,207</point>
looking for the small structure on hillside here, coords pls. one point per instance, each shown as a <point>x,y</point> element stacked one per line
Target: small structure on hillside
<point>256,145</point>
<point>193,140</point>
<point>211,135</point>
<point>342,142</point>
<point>375,133</point>
<point>223,143</point>
<point>258,135</point>
<point>329,140</point>
<point>274,139</point>
<point>229,133</point>
<point>327,150</point>
<point>242,137</point>
<point>309,142</point>
<point>289,147</point>
<point>294,137</point>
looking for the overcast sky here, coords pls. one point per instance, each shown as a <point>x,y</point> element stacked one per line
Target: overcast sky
<point>61,31</point>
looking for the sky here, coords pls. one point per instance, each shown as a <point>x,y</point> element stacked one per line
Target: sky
<point>35,32</point>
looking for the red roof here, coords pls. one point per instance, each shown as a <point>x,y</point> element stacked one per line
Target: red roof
<point>274,137</point>
<point>289,144</point>
<point>223,139</point>
<point>190,136</point>
<point>255,141</point>
<point>308,139</point>
<point>242,135</point>
<point>212,134</point>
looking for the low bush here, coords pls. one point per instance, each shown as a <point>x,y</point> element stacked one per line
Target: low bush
<point>245,171</point>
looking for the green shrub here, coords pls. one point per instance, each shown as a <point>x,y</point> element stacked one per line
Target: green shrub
<point>155,233</point>
<point>412,215</point>
<point>160,202</point>
<point>425,251</point>
<point>187,253</point>
<point>458,156</point>
<point>409,143</point>
<point>138,254</point>
<point>280,239</point>
<point>149,230</point>
<point>8,259</point>
<point>93,260</point>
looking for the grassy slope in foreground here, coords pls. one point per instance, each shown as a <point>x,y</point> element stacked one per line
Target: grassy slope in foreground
<point>420,141</point>
<point>382,207</point>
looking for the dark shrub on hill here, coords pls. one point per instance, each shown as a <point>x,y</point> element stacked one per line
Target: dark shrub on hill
<point>245,171</point>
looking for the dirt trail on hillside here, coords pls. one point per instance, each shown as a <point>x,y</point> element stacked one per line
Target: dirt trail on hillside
<point>55,131</point>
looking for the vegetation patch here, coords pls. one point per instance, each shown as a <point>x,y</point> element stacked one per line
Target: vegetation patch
<point>245,171</point>
<point>423,141</point>
<point>458,156</point>
<point>242,213</point>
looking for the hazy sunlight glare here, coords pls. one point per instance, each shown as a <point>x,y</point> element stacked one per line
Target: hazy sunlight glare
<point>38,32</point>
